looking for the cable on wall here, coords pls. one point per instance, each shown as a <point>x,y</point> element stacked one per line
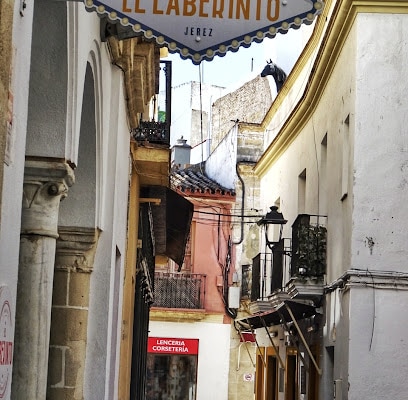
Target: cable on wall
<point>200,66</point>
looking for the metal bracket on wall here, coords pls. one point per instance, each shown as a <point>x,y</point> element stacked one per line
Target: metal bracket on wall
<point>319,371</point>
<point>23,6</point>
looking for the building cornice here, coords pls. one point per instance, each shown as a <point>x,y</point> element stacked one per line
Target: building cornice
<point>140,63</point>
<point>328,39</point>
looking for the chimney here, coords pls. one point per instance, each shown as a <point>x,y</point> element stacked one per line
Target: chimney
<point>180,153</point>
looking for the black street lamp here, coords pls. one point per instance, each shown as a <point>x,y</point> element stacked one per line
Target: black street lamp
<point>273,217</point>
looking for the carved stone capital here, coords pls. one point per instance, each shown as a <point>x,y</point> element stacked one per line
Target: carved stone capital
<point>76,248</point>
<point>46,183</point>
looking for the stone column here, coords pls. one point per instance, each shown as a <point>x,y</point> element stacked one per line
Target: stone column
<point>73,266</point>
<point>45,185</point>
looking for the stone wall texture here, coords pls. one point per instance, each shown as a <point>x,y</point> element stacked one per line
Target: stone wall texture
<point>6,23</point>
<point>249,104</point>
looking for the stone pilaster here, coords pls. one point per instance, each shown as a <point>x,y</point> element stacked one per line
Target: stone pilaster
<point>46,183</point>
<point>73,266</point>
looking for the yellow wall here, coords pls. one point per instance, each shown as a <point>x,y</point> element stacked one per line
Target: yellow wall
<point>129,289</point>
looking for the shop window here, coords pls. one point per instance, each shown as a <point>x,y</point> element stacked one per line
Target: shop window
<point>171,377</point>
<point>171,372</point>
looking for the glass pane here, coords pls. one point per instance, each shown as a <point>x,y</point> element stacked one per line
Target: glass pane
<point>171,377</point>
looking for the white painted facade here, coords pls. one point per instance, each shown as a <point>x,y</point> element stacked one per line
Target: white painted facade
<point>213,353</point>
<point>191,113</point>
<point>347,159</point>
<point>222,161</point>
<point>14,166</point>
<point>70,106</point>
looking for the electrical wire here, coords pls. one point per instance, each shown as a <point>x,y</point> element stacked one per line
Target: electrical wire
<point>374,311</point>
<point>227,215</point>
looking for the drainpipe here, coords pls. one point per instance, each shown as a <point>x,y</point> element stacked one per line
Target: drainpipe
<point>242,204</point>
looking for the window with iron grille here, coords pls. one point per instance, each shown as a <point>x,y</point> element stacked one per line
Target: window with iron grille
<point>277,266</point>
<point>246,282</point>
<point>256,278</point>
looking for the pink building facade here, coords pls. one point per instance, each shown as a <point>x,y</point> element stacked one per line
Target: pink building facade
<point>190,319</point>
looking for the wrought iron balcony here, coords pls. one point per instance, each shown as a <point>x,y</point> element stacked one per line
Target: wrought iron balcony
<point>179,290</point>
<point>270,273</point>
<point>158,131</point>
<point>152,132</point>
<point>295,266</point>
<point>309,239</point>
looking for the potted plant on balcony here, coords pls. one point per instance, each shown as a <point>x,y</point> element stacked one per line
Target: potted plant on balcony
<point>312,251</point>
<point>308,249</point>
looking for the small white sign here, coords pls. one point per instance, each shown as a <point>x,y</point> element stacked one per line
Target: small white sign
<point>249,377</point>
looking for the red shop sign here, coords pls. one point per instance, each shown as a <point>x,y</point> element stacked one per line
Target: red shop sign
<point>172,346</point>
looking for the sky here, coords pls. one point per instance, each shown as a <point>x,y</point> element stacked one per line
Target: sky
<point>222,71</point>
<point>236,68</point>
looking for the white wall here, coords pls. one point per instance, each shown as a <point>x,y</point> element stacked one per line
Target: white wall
<point>213,358</point>
<point>187,97</point>
<point>378,344</point>
<point>380,214</point>
<point>365,187</point>
<point>220,166</point>
<point>14,170</point>
<point>378,330</point>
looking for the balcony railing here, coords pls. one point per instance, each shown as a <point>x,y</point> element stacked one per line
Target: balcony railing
<point>301,258</point>
<point>270,272</point>
<point>309,238</point>
<point>158,131</point>
<point>152,132</point>
<point>179,290</point>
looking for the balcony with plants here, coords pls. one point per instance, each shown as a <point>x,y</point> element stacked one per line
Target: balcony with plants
<point>295,267</point>
<point>308,256</point>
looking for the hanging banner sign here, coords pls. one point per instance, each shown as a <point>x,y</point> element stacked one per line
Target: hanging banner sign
<point>172,346</point>
<point>201,29</point>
